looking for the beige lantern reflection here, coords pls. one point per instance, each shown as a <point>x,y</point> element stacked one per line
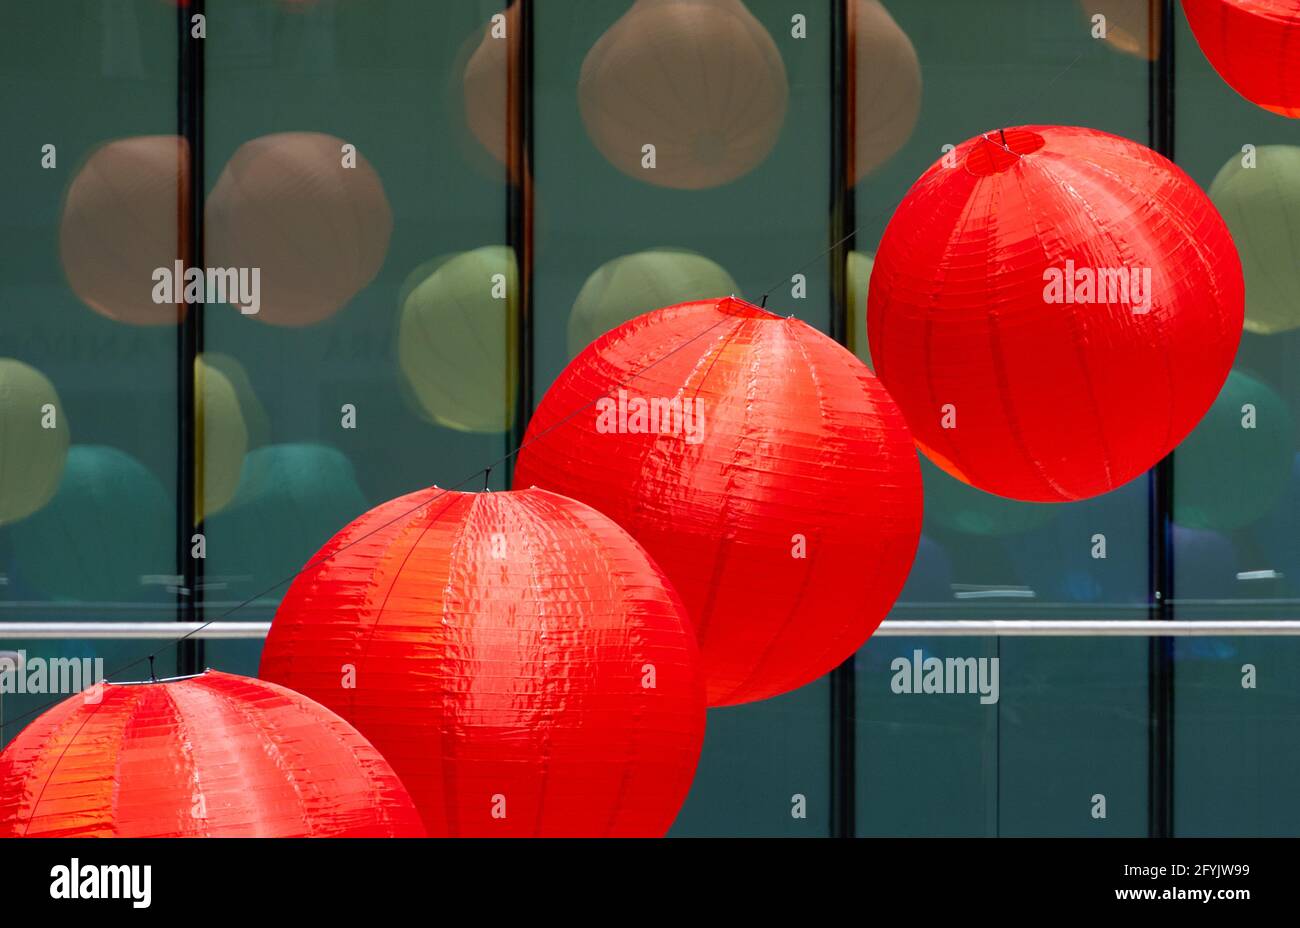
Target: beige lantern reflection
<point>491,105</point>
<point>625,287</point>
<point>310,211</point>
<point>885,83</point>
<point>699,80</point>
<point>121,221</point>
<point>1131,26</point>
<point>457,339</point>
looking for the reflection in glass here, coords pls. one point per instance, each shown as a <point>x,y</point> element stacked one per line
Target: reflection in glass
<point>1236,463</point>
<point>1259,198</point>
<point>457,338</point>
<point>885,83</point>
<point>1132,26</point>
<point>310,212</point>
<point>120,223</point>
<point>491,109</point>
<point>103,535</point>
<point>33,440</point>
<point>700,80</point>
<point>291,499</point>
<point>221,439</point>
<point>627,286</point>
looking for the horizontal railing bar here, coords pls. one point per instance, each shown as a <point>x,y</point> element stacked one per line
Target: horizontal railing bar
<point>894,628</point>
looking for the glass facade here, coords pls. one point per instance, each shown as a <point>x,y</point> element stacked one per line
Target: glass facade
<point>478,145</point>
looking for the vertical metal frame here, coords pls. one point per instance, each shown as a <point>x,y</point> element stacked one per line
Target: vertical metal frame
<point>843,220</point>
<point>189,126</point>
<point>519,210</point>
<point>1160,677</point>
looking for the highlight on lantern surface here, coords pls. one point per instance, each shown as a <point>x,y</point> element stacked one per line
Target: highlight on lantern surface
<point>1045,275</point>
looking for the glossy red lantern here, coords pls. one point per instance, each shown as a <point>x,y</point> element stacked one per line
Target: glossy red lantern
<point>1055,312</point>
<point>213,755</point>
<point>763,467</point>
<point>517,657</point>
<point>1255,47</point>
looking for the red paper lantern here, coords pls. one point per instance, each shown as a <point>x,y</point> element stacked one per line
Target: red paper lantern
<point>214,755</point>
<point>517,657</point>
<point>763,467</point>
<point>1255,47</point>
<point>1053,313</point>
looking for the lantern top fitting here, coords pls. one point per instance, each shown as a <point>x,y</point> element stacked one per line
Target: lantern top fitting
<point>997,150</point>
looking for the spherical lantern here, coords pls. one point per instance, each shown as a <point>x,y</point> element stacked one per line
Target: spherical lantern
<point>120,223</point>
<point>1261,205</point>
<point>1237,462</point>
<point>457,339</point>
<point>291,498</point>
<point>1255,47</point>
<point>221,439</point>
<point>628,286</point>
<point>885,81</point>
<point>109,525</point>
<point>1131,26</point>
<point>31,455</point>
<point>213,755</point>
<point>1054,311</point>
<point>700,80</point>
<point>517,657</point>
<point>761,465</point>
<point>311,216</point>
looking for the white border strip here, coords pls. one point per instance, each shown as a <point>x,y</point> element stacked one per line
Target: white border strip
<point>974,628</point>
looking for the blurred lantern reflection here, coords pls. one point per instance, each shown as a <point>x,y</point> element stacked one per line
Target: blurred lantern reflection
<point>699,80</point>
<point>627,286</point>
<point>310,211</point>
